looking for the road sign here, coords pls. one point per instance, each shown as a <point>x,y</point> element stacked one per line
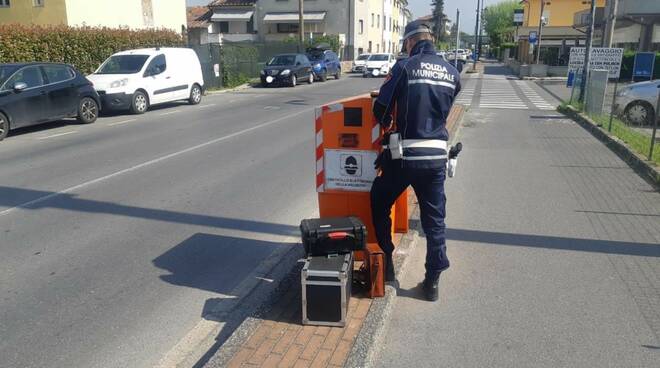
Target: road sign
<point>643,67</point>
<point>533,37</point>
<point>601,58</point>
<point>518,17</point>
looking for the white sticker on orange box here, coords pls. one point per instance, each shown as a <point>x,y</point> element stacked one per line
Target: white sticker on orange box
<point>349,170</point>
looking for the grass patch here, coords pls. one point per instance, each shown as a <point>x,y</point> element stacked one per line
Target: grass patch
<point>639,142</point>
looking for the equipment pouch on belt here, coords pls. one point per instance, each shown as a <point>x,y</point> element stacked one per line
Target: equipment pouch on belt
<point>395,146</point>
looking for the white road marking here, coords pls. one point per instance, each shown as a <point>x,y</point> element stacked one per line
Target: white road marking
<point>57,135</point>
<point>148,163</point>
<point>122,122</point>
<point>205,106</point>
<point>169,112</point>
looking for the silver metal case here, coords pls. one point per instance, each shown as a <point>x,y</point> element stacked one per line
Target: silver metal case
<point>326,289</point>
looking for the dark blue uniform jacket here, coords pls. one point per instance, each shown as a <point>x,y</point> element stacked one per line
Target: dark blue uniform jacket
<point>423,88</point>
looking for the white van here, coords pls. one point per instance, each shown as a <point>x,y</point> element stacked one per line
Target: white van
<point>136,79</point>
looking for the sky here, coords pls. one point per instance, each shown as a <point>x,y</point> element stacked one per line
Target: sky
<point>423,7</point>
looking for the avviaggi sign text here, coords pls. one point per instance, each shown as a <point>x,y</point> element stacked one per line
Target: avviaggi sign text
<point>604,58</point>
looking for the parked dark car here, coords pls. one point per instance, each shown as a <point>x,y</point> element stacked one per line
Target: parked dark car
<point>325,62</point>
<point>287,69</point>
<point>35,93</point>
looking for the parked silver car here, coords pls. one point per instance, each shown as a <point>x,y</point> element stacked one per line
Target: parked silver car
<point>636,102</point>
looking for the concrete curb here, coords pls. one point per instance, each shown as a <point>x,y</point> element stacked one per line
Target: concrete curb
<point>244,321</point>
<point>545,79</point>
<point>237,88</point>
<point>637,162</point>
<point>364,351</point>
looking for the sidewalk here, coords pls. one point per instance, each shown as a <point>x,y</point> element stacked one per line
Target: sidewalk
<point>555,250</point>
<point>274,337</point>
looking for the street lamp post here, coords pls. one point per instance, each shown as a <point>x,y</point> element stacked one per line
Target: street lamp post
<point>301,26</point>
<point>538,41</point>
<point>476,31</point>
<point>587,52</point>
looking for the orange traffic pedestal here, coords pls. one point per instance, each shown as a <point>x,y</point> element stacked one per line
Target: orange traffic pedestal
<point>347,144</point>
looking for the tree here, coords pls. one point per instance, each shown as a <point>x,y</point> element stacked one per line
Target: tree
<point>439,20</point>
<point>498,22</point>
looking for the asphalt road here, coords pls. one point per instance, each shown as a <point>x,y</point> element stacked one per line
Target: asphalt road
<point>115,236</point>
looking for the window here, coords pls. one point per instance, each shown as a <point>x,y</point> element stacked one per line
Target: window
<point>4,4</point>
<point>223,27</point>
<point>57,73</point>
<point>123,64</point>
<point>384,22</point>
<point>287,27</point>
<point>361,26</point>
<point>378,48</point>
<point>378,21</point>
<point>30,75</point>
<point>369,46</point>
<point>38,2</point>
<point>157,65</point>
<point>372,19</point>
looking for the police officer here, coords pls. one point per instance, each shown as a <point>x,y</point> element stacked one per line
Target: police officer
<point>422,87</point>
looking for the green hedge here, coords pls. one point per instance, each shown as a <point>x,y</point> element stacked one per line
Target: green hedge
<point>85,48</point>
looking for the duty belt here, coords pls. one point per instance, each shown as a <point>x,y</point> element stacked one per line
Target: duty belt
<point>417,143</point>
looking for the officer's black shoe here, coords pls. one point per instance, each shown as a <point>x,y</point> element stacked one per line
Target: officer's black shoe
<point>430,287</point>
<point>390,276</point>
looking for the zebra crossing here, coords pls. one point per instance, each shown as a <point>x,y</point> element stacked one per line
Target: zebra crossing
<point>466,94</point>
<point>498,93</point>
<point>538,101</point>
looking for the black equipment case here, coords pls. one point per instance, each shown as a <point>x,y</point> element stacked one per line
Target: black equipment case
<point>326,289</point>
<point>333,235</point>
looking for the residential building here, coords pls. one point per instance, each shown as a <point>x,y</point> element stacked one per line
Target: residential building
<point>375,31</point>
<point>387,25</point>
<point>349,19</point>
<point>362,25</point>
<point>135,14</point>
<point>223,20</point>
<point>558,33</point>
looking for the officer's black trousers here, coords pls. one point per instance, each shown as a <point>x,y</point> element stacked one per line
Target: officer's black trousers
<point>429,187</point>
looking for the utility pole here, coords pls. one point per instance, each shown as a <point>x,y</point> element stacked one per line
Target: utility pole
<point>476,31</point>
<point>481,30</point>
<point>611,22</point>
<point>538,41</point>
<point>458,37</point>
<point>587,52</point>
<point>301,26</point>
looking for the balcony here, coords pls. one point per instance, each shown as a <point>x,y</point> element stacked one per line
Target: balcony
<point>230,37</point>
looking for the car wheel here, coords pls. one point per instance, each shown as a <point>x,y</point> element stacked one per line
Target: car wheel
<point>88,110</point>
<point>324,76</point>
<point>140,103</point>
<point>195,95</point>
<point>264,84</point>
<point>338,75</point>
<point>639,113</point>
<point>4,126</point>
<point>294,80</point>
<point>311,78</point>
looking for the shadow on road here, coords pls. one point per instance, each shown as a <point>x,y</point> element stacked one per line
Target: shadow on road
<point>13,197</point>
<point>212,262</point>
<point>553,242</point>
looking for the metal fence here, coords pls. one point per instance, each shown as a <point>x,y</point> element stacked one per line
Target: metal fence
<point>234,63</point>
<point>632,115</point>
